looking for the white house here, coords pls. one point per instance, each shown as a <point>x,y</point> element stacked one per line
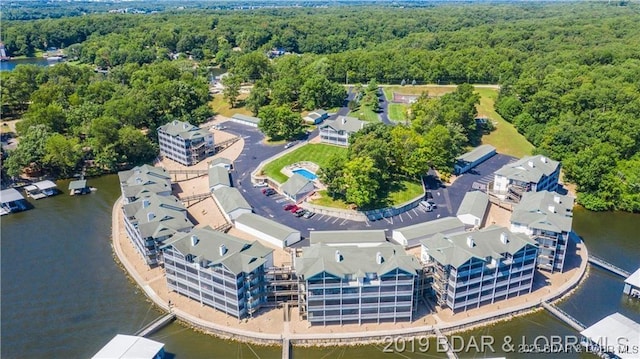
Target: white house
<point>473,208</point>
<point>245,120</point>
<point>411,236</point>
<point>267,230</point>
<point>338,131</point>
<point>529,174</point>
<point>297,187</point>
<point>615,336</point>
<point>231,202</point>
<point>473,158</point>
<point>185,143</point>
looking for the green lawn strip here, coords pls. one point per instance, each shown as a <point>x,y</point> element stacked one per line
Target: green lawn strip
<point>505,138</point>
<point>327,201</point>
<point>365,114</point>
<point>407,191</point>
<point>397,112</point>
<point>316,153</point>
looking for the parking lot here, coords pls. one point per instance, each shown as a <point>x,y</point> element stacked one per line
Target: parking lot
<point>447,199</point>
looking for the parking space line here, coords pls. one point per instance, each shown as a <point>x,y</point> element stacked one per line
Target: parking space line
<point>366,220</point>
<point>400,216</point>
<point>320,217</point>
<point>414,212</point>
<point>408,215</point>
<point>328,218</point>
<point>343,222</point>
<point>335,220</point>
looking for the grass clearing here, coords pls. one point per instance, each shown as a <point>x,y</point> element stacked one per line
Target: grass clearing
<point>505,138</point>
<point>397,112</point>
<point>221,107</point>
<point>312,152</point>
<point>365,114</point>
<point>327,201</point>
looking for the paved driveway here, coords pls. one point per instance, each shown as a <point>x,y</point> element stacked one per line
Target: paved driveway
<point>448,199</point>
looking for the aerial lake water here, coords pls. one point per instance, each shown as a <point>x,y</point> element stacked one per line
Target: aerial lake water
<point>64,296</point>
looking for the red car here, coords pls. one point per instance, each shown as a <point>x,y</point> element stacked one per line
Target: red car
<point>294,209</point>
<point>287,207</point>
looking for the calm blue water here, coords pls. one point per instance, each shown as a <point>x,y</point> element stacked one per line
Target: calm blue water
<point>10,65</point>
<point>306,174</point>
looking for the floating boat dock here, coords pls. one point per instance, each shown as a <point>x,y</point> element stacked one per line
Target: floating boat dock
<point>12,201</point>
<point>608,266</point>
<point>41,189</point>
<point>79,187</point>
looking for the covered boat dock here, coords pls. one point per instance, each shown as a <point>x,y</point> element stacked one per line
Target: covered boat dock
<point>41,189</point>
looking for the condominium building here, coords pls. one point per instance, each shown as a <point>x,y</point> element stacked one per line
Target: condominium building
<point>151,220</point>
<point>185,143</point>
<point>529,174</point>
<point>219,270</point>
<point>142,181</point>
<point>546,217</point>
<point>480,267</point>
<point>351,283</point>
<point>338,131</point>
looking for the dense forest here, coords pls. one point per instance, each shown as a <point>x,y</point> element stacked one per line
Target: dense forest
<point>569,71</point>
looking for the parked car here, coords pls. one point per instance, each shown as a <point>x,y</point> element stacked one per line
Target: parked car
<point>300,212</point>
<point>308,214</point>
<point>294,209</point>
<point>290,144</point>
<point>432,203</point>
<point>268,191</point>
<point>427,206</point>
<point>287,207</point>
<point>261,184</point>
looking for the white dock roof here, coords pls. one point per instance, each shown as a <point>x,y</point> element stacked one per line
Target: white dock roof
<point>129,347</point>
<point>634,279</point>
<point>42,185</point>
<point>10,195</point>
<point>608,331</point>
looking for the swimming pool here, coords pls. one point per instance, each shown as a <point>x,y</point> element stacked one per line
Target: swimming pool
<point>305,173</point>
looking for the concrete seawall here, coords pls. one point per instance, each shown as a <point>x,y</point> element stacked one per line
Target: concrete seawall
<point>346,338</point>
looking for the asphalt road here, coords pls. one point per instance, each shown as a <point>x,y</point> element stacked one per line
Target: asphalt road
<point>448,199</point>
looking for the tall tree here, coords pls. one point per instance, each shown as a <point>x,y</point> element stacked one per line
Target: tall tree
<point>231,89</point>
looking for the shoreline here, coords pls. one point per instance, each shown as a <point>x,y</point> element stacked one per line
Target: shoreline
<point>317,336</point>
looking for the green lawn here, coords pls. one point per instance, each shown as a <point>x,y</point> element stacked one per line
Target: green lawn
<point>408,191</point>
<point>398,112</point>
<point>365,114</point>
<point>221,107</point>
<point>505,138</point>
<point>433,90</point>
<point>316,153</point>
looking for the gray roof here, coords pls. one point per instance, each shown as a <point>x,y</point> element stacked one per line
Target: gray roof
<point>295,184</point>
<point>353,260</point>
<point>149,171</point>
<point>183,130</point>
<point>219,176</point>
<point>474,203</point>
<point>345,123</point>
<point>241,117</point>
<point>10,195</point>
<point>613,327</point>
<point>265,225</point>
<point>454,249</point>
<point>42,185</point>
<point>129,347</point>
<point>529,169</point>
<point>430,228</point>
<point>230,199</point>
<point>549,211</point>
<point>477,153</point>
<point>219,161</point>
<point>79,184</point>
<point>316,114</point>
<point>371,236</point>
<point>240,255</point>
<point>158,216</point>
